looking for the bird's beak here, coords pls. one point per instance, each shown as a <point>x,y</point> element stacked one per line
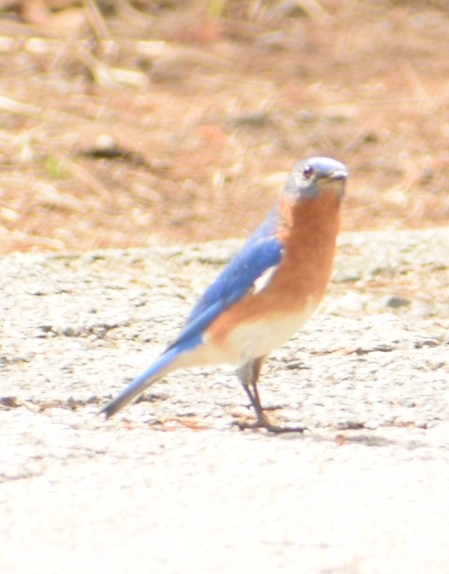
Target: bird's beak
<point>338,175</point>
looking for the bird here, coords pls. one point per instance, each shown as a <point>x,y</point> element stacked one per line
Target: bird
<point>268,290</point>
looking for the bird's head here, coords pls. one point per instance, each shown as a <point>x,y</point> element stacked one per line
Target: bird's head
<point>312,176</point>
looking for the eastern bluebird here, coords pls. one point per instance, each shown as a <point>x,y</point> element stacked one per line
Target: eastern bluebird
<point>267,291</point>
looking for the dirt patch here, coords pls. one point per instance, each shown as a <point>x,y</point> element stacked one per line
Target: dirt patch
<point>180,120</point>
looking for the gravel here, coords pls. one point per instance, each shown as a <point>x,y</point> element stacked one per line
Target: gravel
<point>170,484</point>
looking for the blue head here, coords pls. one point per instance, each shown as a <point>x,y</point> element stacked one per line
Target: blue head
<point>311,176</point>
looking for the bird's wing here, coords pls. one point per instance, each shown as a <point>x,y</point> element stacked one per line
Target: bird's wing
<point>250,269</point>
<point>261,252</point>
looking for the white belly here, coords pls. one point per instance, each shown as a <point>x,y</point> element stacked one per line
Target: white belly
<point>254,339</point>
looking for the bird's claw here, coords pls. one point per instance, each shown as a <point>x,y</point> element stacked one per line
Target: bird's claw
<point>270,427</point>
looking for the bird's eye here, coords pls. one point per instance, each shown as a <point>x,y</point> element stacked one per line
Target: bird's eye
<point>308,171</point>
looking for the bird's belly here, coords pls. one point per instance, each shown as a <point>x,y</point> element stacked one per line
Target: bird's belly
<point>258,336</point>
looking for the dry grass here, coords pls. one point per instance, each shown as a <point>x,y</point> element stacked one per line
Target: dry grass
<point>179,120</point>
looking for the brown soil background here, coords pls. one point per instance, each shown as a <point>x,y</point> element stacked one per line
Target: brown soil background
<point>124,123</point>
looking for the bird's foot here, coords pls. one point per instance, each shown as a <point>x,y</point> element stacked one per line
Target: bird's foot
<point>264,423</point>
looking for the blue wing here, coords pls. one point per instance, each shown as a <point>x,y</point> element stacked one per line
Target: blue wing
<point>261,251</point>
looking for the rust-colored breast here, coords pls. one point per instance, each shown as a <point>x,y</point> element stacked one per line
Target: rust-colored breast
<point>309,235</point>
<point>308,231</point>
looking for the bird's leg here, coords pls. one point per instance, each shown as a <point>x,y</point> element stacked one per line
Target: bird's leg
<point>248,375</point>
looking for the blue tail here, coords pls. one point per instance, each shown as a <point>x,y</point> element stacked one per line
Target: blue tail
<point>159,368</point>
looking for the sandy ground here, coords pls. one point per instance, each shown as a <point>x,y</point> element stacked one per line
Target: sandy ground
<point>171,485</point>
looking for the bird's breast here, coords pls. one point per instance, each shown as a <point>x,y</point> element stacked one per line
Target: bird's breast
<point>286,296</point>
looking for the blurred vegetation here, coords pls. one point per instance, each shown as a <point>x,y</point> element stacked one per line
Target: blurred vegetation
<point>123,123</point>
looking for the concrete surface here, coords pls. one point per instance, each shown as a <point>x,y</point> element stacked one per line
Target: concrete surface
<point>171,485</point>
